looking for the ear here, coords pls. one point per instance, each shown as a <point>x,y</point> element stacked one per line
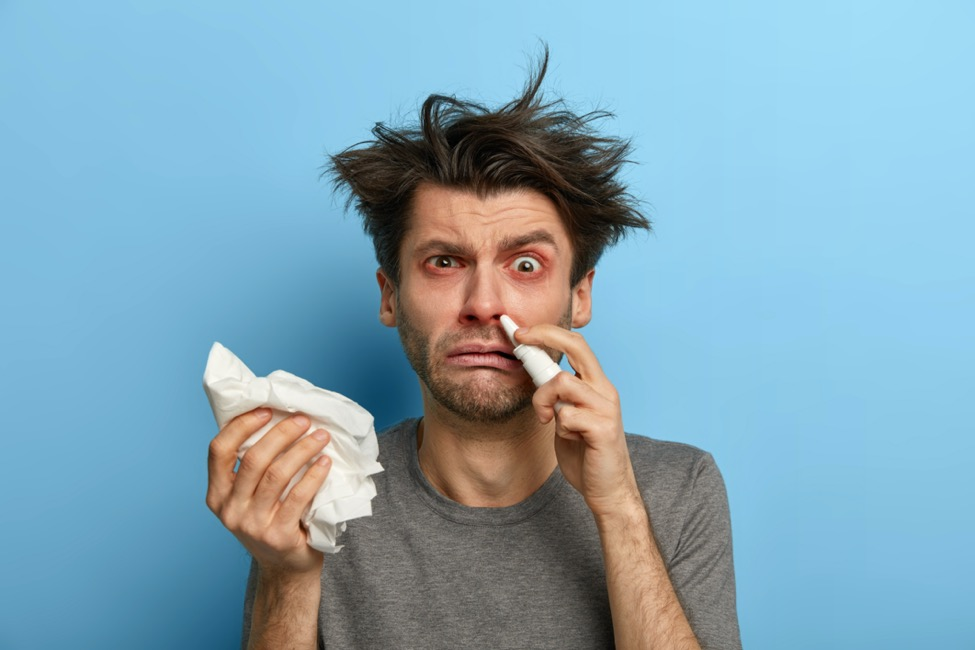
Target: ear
<point>387,299</point>
<point>582,300</point>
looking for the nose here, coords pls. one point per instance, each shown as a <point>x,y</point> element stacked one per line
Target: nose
<point>484,302</point>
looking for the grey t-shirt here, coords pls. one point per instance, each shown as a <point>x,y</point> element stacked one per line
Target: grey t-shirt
<point>426,572</point>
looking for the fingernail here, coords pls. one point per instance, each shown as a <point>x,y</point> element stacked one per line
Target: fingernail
<point>320,435</point>
<point>323,461</point>
<point>262,414</point>
<point>301,420</point>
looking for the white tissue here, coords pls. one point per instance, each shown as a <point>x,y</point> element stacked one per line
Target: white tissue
<point>348,491</point>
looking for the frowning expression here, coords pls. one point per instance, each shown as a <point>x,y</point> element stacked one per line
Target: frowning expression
<point>465,261</point>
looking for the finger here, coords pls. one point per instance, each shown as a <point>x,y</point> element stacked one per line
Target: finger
<point>568,389</point>
<point>580,355</point>
<point>584,424</point>
<point>304,491</point>
<point>285,468</point>
<point>257,459</point>
<point>222,456</point>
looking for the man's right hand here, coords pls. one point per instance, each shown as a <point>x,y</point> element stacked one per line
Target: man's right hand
<point>248,502</point>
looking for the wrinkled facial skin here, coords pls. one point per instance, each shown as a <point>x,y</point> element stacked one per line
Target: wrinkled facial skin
<point>465,261</point>
<point>474,400</point>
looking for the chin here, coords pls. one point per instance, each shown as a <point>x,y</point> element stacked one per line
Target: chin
<point>485,402</point>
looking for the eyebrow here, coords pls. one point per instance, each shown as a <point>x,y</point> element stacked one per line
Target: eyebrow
<point>529,239</point>
<point>440,246</point>
<point>506,244</point>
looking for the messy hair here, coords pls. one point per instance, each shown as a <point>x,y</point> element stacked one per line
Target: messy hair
<point>527,143</point>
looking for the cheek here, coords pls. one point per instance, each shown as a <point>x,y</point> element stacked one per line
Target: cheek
<point>547,301</point>
<point>420,311</point>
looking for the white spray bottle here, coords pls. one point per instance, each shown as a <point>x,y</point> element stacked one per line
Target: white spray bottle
<point>540,367</point>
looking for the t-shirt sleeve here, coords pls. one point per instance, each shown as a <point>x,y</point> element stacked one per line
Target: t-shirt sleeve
<point>702,566</point>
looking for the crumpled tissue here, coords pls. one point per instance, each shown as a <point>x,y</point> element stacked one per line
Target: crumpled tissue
<point>347,493</point>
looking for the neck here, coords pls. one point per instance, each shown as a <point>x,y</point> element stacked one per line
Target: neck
<point>485,464</point>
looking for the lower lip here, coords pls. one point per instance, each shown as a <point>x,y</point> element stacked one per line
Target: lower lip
<point>484,361</point>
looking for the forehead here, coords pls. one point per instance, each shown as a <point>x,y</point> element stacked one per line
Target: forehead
<point>462,216</point>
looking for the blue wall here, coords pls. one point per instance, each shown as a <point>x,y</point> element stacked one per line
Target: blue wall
<point>804,310</point>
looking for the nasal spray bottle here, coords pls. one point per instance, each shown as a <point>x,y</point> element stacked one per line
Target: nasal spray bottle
<point>540,367</point>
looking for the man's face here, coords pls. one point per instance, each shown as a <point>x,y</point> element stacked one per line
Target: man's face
<point>464,262</point>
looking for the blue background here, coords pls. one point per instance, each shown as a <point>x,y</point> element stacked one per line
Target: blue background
<point>804,309</point>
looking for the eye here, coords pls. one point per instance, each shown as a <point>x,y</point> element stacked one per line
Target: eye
<point>442,262</point>
<point>525,264</point>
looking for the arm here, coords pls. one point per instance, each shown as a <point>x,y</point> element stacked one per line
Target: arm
<point>591,448</point>
<point>646,611</point>
<point>248,502</point>
<point>284,612</point>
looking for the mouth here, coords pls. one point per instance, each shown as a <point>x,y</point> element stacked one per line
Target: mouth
<point>503,355</point>
<point>483,348</point>
<point>483,356</point>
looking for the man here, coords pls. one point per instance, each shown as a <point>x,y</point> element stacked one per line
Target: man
<point>499,523</point>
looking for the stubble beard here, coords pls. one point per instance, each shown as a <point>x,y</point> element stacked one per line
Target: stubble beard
<point>481,399</point>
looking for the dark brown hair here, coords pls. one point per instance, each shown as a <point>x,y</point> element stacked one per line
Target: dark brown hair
<point>527,143</point>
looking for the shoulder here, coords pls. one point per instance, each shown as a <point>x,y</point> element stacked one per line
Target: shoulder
<point>397,431</point>
<point>393,441</point>
<point>665,461</point>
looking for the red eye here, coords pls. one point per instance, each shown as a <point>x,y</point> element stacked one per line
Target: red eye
<point>525,264</point>
<point>442,262</point>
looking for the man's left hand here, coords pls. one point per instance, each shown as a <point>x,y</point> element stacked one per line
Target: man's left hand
<point>589,444</point>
